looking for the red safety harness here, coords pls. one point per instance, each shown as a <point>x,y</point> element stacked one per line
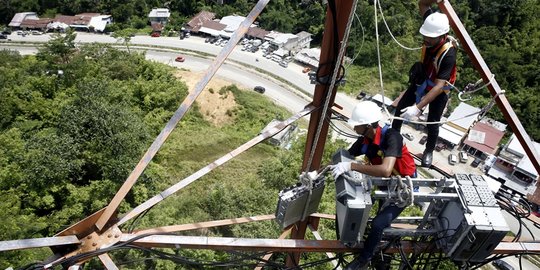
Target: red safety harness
<point>432,63</point>
<point>404,165</point>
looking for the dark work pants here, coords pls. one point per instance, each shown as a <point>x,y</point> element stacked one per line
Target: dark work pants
<point>436,108</point>
<point>381,221</point>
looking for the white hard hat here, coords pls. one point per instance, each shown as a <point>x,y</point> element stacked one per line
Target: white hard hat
<point>365,112</point>
<point>436,24</point>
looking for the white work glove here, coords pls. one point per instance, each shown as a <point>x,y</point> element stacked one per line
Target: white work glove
<point>340,169</point>
<point>410,113</point>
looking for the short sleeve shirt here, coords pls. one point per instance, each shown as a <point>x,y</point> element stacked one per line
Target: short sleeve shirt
<point>449,60</point>
<point>391,146</point>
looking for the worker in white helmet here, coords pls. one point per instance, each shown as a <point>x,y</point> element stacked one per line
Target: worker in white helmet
<point>430,79</point>
<point>386,155</point>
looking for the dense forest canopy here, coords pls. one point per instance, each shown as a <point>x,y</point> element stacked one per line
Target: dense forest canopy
<point>506,33</point>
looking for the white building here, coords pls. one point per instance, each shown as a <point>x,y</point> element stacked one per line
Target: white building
<point>459,123</point>
<point>283,41</point>
<point>159,15</point>
<point>231,24</point>
<point>309,57</point>
<point>100,22</point>
<point>514,167</point>
<point>20,17</point>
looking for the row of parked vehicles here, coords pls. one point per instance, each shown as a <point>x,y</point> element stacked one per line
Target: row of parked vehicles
<point>24,33</point>
<point>462,156</point>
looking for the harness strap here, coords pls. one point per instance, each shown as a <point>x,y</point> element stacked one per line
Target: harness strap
<point>365,145</point>
<point>442,52</point>
<point>439,56</point>
<point>380,153</point>
<point>422,89</point>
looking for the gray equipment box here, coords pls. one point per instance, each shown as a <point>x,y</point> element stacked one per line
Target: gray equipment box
<point>473,234</point>
<point>293,200</point>
<point>353,203</point>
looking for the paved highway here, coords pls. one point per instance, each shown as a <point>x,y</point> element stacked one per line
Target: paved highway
<point>296,80</point>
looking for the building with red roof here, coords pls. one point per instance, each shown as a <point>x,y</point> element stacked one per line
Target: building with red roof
<point>483,140</point>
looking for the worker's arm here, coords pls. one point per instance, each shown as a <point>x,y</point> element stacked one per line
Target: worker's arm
<point>383,170</point>
<point>432,94</point>
<point>424,5</point>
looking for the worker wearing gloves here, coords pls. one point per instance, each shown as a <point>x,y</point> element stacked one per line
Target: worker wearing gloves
<point>429,79</point>
<point>387,155</point>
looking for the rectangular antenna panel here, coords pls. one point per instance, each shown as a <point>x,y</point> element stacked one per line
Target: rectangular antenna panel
<point>353,203</point>
<point>293,200</point>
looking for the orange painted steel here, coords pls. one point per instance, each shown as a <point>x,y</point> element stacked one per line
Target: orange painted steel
<point>299,245</point>
<point>204,225</point>
<point>328,60</point>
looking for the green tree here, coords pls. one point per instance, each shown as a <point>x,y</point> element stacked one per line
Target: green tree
<point>60,48</point>
<point>124,36</point>
<point>109,133</point>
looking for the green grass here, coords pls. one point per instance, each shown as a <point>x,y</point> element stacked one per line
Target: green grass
<point>219,194</point>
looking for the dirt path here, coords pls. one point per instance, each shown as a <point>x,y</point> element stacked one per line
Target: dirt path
<point>214,106</point>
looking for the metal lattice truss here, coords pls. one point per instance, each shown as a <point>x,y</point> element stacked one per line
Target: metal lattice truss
<point>97,234</point>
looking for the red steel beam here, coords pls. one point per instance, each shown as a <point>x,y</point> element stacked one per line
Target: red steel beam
<point>207,224</point>
<point>494,87</point>
<point>178,115</point>
<point>328,60</point>
<point>39,242</point>
<point>290,245</point>
<point>267,257</point>
<point>107,262</point>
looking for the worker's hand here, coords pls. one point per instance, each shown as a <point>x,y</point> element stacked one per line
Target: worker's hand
<point>410,113</point>
<point>340,169</point>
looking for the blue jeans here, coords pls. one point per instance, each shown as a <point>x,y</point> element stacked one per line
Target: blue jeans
<point>381,221</point>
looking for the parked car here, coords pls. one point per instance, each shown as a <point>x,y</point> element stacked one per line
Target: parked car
<point>423,140</point>
<point>306,70</point>
<point>408,136</point>
<point>476,162</point>
<point>463,157</point>
<point>502,265</point>
<point>180,59</point>
<point>2,36</point>
<point>155,34</point>
<point>259,89</point>
<point>284,64</point>
<point>440,146</point>
<point>452,159</point>
<point>361,95</point>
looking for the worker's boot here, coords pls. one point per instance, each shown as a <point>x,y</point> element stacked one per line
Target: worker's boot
<point>427,158</point>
